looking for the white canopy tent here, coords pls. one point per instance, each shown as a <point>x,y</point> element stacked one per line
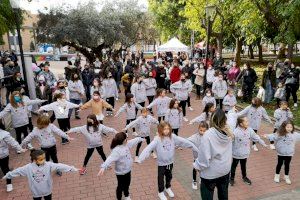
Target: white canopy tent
<point>173,45</point>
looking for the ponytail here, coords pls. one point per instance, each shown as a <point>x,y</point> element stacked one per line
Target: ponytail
<point>118,139</point>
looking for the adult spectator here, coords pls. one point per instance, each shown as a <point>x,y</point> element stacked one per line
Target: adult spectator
<point>9,70</point>
<point>188,69</point>
<point>218,62</point>
<point>18,81</point>
<point>87,79</point>
<point>161,75</point>
<point>128,68</point>
<point>232,75</point>
<point>43,91</point>
<point>248,77</point>
<point>119,70</point>
<point>269,82</point>
<point>49,76</point>
<point>69,70</point>
<point>199,72</point>
<point>77,92</point>
<point>175,71</point>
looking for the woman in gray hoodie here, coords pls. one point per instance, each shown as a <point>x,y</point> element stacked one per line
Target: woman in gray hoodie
<point>214,158</point>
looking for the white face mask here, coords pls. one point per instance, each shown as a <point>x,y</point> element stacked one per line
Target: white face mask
<point>208,94</point>
<point>245,67</point>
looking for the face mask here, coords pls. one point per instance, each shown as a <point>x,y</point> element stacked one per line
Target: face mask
<point>17,99</point>
<point>253,105</point>
<point>96,97</point>
<point>75,77</point>
<point>18,78</point>
<point>208,94</point>
<point>201,66</point>
<point>183,79</point>
<point>245,67</point>
<point>140,81</point>
<point>62,87</point>
<point>42,83</point>
<point>90,123</point>
<point>220,79</point>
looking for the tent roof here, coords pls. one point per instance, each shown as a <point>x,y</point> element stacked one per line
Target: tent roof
<point>173,45</point>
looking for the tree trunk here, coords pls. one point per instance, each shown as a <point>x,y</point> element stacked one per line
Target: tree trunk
<point>238,49</point>
<point>290,51</point>
<point>251,56</point>
<point>260,53</point>
<point>220,43</point>
<point>274,51</point>
<point>281,53</point>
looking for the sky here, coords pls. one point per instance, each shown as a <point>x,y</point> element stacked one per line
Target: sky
<point>36,5</point>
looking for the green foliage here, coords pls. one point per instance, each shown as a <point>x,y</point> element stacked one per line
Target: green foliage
<point>7,18</point>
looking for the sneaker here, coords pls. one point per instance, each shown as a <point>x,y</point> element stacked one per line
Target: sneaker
<point>180,148</point>
<point>135,134</point>
<point>9,188</point>
<point>277,178</point>
<point>170,192</point>
<point>185,119</point>
<point>254,147</point>
<point>191,109</point>
<point>287,180</point>
<point>272,146</point>
<point>247,181</point>
<point>29,146</point>
<point>58,173</point>
<point>154,155</point>
<point>194,185</point>
<point>162,196</point>
<point>136,159</point>
<point>82,171</point>
<point>127,198</point>
<point>295,105</point>
<point>107,114</point>
<point>19,152</point>
<point>232,182</point>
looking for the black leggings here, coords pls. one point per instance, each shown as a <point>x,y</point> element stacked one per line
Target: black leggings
<point>194,174</point>
<point>128,122</point>
<point>274,131</point>
<point>30,125</point>
<point>182,104</point>
<point>235,162</point>
<point>175,131</point>
<point>189,101</point>
<point>198,90</point>
<point>140,144</point>
<point>51,152</point>
<point>123,185</point>
<point>4,165</point>
<point>161,118</point>
<point>19,131</point>
<point>164,171</point>
<point>256,133</point>
<point>49,197</point>
<point>150,99</point>
<point>219,103</point>
<point>64,125</point>
<point>286,160</point>
<point>142,104</point>
<point>111,101</point>
<point>208,186</point>
<point>291,89</point>
<point>90,152</point>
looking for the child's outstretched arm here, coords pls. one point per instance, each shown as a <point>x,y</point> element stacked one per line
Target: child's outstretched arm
<point>62,167</point>
<point>271,137</point>
<point>153,120</point>
<point>21,171</point>
<point>182,142</point>
<point>108,130</point>
<point>48,107</point>
<point>266,116</point>
<point>121,109</point>
<point>5,112</point>
<point>147,151</point>
<point>75,130</point>
<point>153,103</point>
<point>134,142</point>
<point>29,137</point>
<point>113,157</point>
<point>131,124</point>
<point>8,139</point>
<point>33,102</point>
<point>198,119</point>
<point>59,132</point>
<point>255,138</point>
<point>244,112</point>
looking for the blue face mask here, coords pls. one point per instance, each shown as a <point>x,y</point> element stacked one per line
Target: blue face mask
<point>17,99</point>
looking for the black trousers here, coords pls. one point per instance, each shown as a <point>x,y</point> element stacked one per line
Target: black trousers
<point>150,99</point>
<point>111,101</point>
<point>198,90</point>
<point>175,131</point>
<point>4,165</point>
<point>142,104</point>
<point>64,125</point>
<point>182,104</point>
<point>234,164</point>
<point>123,185</point>
<point>194,174</point>
<point>164,171</point>
<point>219,103</point>
<point>90,152</point>
<point>286,160</point>
<point>19,131</point>
<point>189,101</point>
<point>51,152</point>
<point>274,131</point>
<point>87,92</point>
<point>208,186</point>
<point>49,197</point>
<point>291,89</point>
<point>128,122</point>
<point>140,144</point>
<point>30,125</point>
<point>247,92</point>
<point>161,118</point>
<point>256,133</point>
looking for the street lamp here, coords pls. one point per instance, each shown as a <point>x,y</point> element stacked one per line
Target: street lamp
<point>210,12</point>
<point>15,4</point>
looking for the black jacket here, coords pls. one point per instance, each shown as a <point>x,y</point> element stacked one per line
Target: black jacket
<point>87,77</point>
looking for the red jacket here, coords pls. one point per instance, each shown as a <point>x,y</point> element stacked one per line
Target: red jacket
<point>175,74</point>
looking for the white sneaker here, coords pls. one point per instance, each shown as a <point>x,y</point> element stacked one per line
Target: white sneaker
<point>170,192</point>
<point>191,109</point>
<point>194,185</point>
<point>9,188</point>
<point>29,145</point>
<point>136,159</point>
<point>272,146</point>
<point>135,134</point>
<point>277,178</point>
<point>162,196</point>
<point>127,198</point>
<point>287,180</point>
<point>154,155</point>
<point>185,119</point>
<point>295,105</point>
<point>254,147</point>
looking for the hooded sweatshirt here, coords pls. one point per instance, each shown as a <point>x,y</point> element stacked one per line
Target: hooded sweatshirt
<point>210,75</point>
<point>121,155</point>
<point>129,109</point>
<point>45,136</point>
<point>39,177</point>
<point>139,92</point>
<point>93,138</point>
<point>208,99</point>
<point>196,140</point>
<point>110,88</point>
<point>165,149</point>
<point>219,88</point>
<point>174,118</point>
<point>151,86</point>
<point>181,90</point>
<point>7,140</point>
<point>215,155</point>
<point>73,87</point>
<point>202,118</point>
<point>285,145</point>
<point>242,142</point>
<point>162,104</point>
<point>143,125</point>
<point>281,115</point>
<point>229,102</point>
<point>60,108</point>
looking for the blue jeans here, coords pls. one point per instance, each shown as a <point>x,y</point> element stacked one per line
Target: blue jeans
<point>75,101</point>
<point>269,92</point>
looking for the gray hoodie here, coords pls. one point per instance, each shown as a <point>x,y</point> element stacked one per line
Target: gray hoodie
<point>110,88</point>
<point>19,116</point>
<point>285,145</point>
<point>174,118</point>
<point>165,149</point>
<point>45,136</point>
<point>162,104</point>
<point>242,142</point>
<point>121,155</point>
<point>232,116</point>
<point>229,102</point>
<point>139,92</point>
<point>143,125</point>
<point>255,116</point>
<point>196,140</point>
<point>151,86</point>
<point>207,100</point>
<point>60,108</point>
<point>210,75</point>
<point>219,88</point>
<point>281,116</point>
<point>201,118</point>
<point>73,86</point>
<point>215,155</point>
<point>181,90</point>
<point>39,177</point>
<point>93,138</point>
<point>129,109</point>
<point>5,141</point>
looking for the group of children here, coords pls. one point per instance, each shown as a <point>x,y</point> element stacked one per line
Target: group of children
<point>170,112</point>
